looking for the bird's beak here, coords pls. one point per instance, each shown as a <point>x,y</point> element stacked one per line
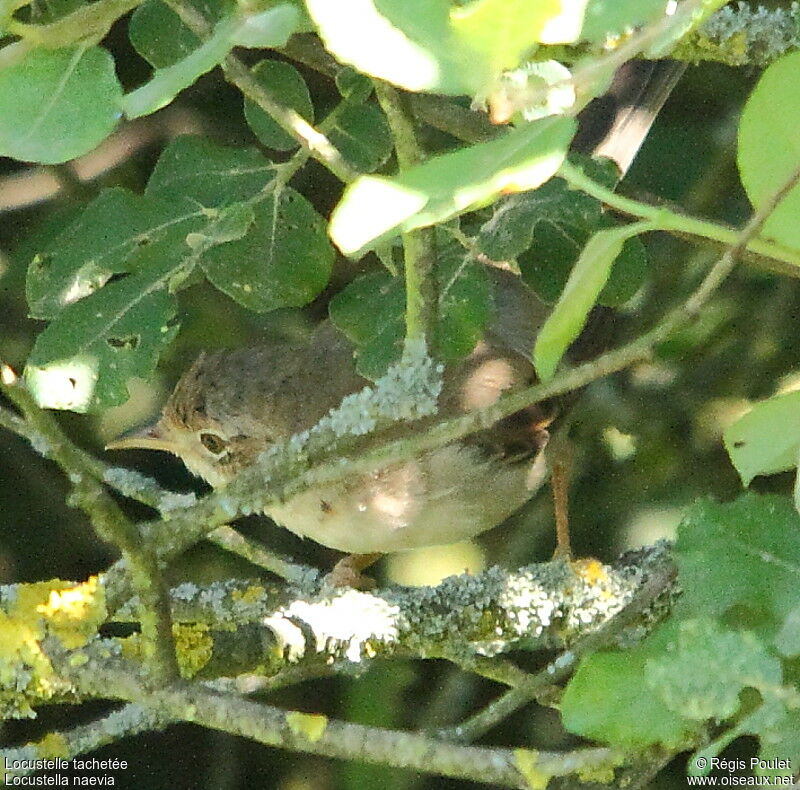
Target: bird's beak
<point>149,438</point>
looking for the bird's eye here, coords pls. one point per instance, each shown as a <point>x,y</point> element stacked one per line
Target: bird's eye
<point>213,442</point>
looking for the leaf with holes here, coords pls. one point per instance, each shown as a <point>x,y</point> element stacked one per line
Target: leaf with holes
<point>84,358</point>
<point>285,259</point>
<point>58,104</point>
<point>118,232</point>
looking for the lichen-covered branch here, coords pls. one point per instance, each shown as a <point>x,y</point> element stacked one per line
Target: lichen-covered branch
<point>131,719</point>
<point>743,35</point>
<point>226,629</point>
<point>303,732</point>
<point>109,521</point>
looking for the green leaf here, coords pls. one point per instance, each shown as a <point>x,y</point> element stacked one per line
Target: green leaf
<point>362,136</point>
<point>84,358</point>
<point>150,20</point>
<point>371,312</point>
<point>406,42</point>
<point>433,45</point>
<point>58,104</point>
<point>289,88</point>
<point>194,171</point>
<point>767,439</point>
<point>353,85</point>
<point>612,17</point>
<point>769,152</point>
<point>502,31</point>
<point>580,294</point>
<point>604,700</point>
<point>285,259</point>
<point>739,557</point>
<point>374,207</point>
<point>705,668</point>
<point>189,199</point>
<point>464,296</point>
<point>117,232</point>
<point>107,279</point>
<point>169,81</point>
<point>546,229</point>
<point>270,28</point>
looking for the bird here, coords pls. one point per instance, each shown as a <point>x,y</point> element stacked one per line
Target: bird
<point>231,406</point>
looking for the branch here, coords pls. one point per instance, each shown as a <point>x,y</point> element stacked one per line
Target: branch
<point>743,36</point>
<point>665,219</point>
<point>108,521</point>
<point>132,719</point>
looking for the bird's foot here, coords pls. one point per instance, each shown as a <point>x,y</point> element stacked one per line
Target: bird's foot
<point>347,572</point>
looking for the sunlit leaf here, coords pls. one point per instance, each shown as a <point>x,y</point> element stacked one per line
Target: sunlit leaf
<point>56,104</point>
<point>84,358</point>
<point>169,81</point>
<point>270,28</point>
<point>578,297</point>
<point>769,151</point>
<point>288,87</point>
<point>612,17</point>
<point>375,207</point>
<point>767,439</point>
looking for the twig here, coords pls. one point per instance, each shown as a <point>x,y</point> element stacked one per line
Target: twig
<point>110,523</point>
<point>419,246</point>
<point>288,119</point>
<point>671,221</point>
<point>229,539</point>
<point>317,734</point>
<point>131,719</point>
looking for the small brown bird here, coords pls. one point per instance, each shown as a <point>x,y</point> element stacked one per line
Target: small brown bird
<point>231,406</point>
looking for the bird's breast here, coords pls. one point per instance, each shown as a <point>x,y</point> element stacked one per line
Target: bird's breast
<point>447,495</point>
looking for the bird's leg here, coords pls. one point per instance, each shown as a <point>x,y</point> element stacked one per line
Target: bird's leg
<point>347,572</point>
<point>560,485</point>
